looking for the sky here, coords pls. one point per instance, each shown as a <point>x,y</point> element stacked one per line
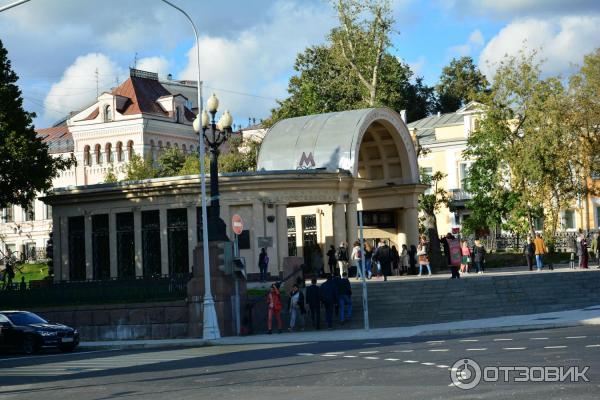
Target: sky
<point>63,49</point>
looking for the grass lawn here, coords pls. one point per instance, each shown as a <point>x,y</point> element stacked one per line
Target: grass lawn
<point>31,272</point>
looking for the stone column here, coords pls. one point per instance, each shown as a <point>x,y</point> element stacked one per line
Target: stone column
<point>339,224</point>
<point>64,248</point>
<point>259,229</point>
<point>112,239</point>
<point>89,254</point>
<point>192,233</point>
<point>411,225</point>
<point>351,224</point>
<point>164,242</point>
<point>137,238</point>
<point>57,247</point>
<point>282,239</point>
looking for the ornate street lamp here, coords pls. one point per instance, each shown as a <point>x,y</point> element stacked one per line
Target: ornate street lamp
<point>214,134</point>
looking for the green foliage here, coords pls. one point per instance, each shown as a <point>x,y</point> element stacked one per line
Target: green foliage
<point>170,162</point>
<point>139,169</point>
<point>354,69</point>
<point>430,203</point>
<point>242,157</point>
<point>31,272</point>
<point>460,82</point>
<point>26,167</point>
<point>110,176</point>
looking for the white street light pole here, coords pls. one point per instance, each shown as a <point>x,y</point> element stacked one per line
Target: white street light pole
<point>11,5</point>
<point>210,323</point>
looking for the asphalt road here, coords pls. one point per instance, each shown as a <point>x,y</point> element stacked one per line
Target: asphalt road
<point>416,368</point>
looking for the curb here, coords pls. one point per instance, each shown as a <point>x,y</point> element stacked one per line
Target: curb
<point>132,345</point>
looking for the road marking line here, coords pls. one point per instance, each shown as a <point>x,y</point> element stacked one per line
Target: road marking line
<point>428,363</point>
<point>502,340</point>
<point>555,347</point>
<point>370,343</point>
<point>469,340</point>
<point>305,354</point>
<point>435,341</point>
<point>329,355</point>
<point>410,361</point>
<point>593,345</point>
<point>514,348</point>
<point>371,358</point>
<point>575,337</point>
<point>443,366</point>
<point>403,351</point>
<point>538,338</point>
<point>335,352</point>
<point>478,349</point>
<point>392,359</point>
<point>369,352</point>
<point>439,349</point>
<point>350,356</point>
<point>402,342</point>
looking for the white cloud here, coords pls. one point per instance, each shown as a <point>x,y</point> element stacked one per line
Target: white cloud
<point>562,42</point>
<point>259,59</point>
<point>520,8</point>
<point>417,65</point>
<point>160,65</point>
<point>77,87</point>
<point>474,43</point>
<point>476,38</point>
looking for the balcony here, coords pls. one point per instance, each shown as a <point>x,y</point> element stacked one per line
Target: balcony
<point>459,195</point>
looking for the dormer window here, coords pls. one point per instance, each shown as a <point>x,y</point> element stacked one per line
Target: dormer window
<point>108,113</point>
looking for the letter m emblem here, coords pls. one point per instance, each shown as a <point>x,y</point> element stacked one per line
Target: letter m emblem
<point>306,161</point>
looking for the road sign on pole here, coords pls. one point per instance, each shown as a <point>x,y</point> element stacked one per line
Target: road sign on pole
<point>237,224</point>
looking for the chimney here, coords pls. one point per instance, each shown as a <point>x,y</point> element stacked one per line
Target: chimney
<point>403,115</point>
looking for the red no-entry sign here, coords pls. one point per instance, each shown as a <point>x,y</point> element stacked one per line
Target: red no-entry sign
<point>237,224</point>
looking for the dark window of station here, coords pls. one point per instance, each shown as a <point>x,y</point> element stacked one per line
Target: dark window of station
<point>100,246</point>
<point>76,249</point>
<point>125,245</point>
<point>151,254</point>
<point>177,235</point>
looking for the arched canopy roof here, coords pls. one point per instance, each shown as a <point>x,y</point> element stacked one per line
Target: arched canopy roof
<point>377,138</point>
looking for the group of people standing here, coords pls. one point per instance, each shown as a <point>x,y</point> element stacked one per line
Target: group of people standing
<point>333,294</point>
<point>535,249</point>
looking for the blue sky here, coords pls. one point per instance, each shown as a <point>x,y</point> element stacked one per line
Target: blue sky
<point>248,47</point>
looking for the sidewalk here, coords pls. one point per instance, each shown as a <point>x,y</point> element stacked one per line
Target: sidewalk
<point>585,316</point>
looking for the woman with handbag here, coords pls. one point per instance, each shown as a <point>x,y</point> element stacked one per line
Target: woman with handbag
<point>274,308</point>
<point>422,255</point>
<point>466,257</point>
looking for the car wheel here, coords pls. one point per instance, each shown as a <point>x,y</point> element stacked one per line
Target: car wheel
<point>30,345</point>
<point>66,348</point>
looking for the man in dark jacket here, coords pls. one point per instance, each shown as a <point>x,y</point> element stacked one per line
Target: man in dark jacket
<point>383,255</point>
<point>529,252</point>
<point>313,299</point>
<point>479,256</point>
<point>345,298</point>
<point>328,294</point>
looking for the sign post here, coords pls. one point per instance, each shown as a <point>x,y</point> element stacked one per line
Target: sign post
<point>238,227</point>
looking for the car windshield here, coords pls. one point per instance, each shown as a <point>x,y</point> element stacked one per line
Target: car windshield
<point>25,318</point>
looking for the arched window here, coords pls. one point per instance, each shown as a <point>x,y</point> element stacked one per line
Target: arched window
<point>177,115</point>
<point>98,154</point>
<point>119,151</point>
<point>168,145</point>
<point>183,149</point>
<point>191,148</point>
<point>176,146</point>
<point>108,152</point>
<point>87,158</point>
<point>152,150</point>
<point>129,150</point>
<point>160,148</point>
<point>108,114</point>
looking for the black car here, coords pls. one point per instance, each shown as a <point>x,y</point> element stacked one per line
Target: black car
<point>26,331</point>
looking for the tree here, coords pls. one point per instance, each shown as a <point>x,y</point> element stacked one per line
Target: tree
<point>326,81</point>
<point>460,82</point>
<point>241,157</point>
<point>429,204</point>
<point>170,162</point>
<point>523,159</point>
<point>26,167</point>
<point>139,168</point>
<point>110,176</point>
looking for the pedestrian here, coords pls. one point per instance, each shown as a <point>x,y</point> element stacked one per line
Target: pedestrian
<point>422,252</point>
<point>479,256</point>
<point>578,247</point>
<point>331,260</point>
<point>395,261</point>
<point>313,299</point>
<point>263,264</point>
<point>345,298</point>
<point>573,250</point>
<point>274,308</point>
<point>23,285</point>
<point>412,259</point>
<point>585,255</point>
<point>540,250</point>
<point>317,260</point>
<point>356,259</point>
<point>466,257</point>
<point>596,247</point>
<point>404,259</point>
<point>368,260</point>
<point>342,258</point>
<point>383,256</point>
<point>529,252</point>
<point>328,294</point>
<point>296,307</point>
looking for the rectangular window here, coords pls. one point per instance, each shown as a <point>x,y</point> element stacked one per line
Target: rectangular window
<point>7,214</point>
<point>177,241</point>
<point>309,222</point>
<point>292,248</point>
<point>125,245</point>
<point>76,237</point>
<point>379,219</point>
<point>538,223</point>
<point>464,175</point>
<point>151,254</point>
<point>569,219</point>
<point>48,211</point>
<point>426,174</point>
<point>30,251</point>
<point>29,212</point>
<point>100,246</point>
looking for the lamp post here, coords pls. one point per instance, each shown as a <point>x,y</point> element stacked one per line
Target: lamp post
<point>214,134</point>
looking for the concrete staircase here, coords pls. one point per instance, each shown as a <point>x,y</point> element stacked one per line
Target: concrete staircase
<point>440,299</point>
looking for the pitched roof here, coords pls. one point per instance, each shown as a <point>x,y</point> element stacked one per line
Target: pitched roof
<point>426,126</point>
<point>58,139</point>
<point>142,94</point>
